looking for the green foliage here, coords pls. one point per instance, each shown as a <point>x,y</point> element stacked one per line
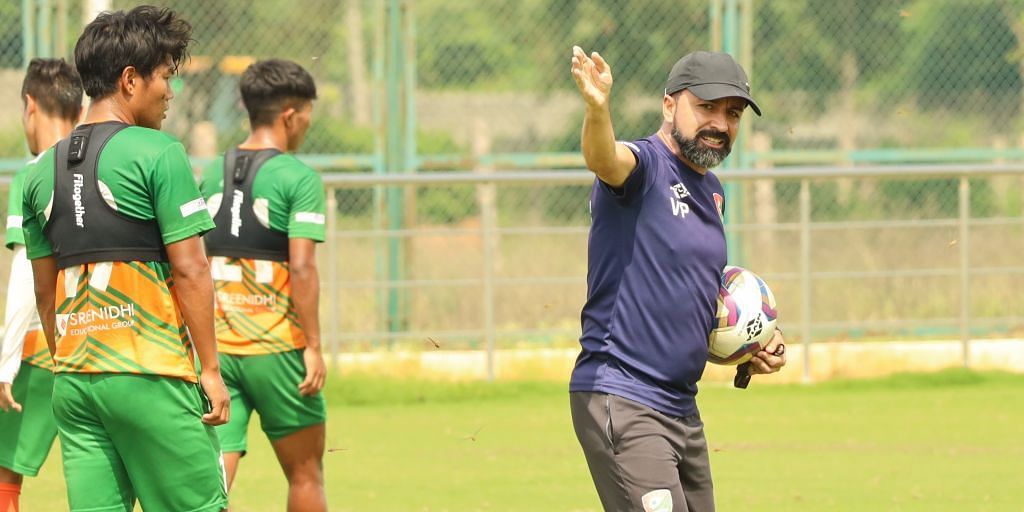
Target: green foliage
<point>12,142</point>
<point>336,135</point>
<point>10,35</point>
<point>445,205</point>
<point>915,73</point>
<point>940,68</point>
<point>526,45</point>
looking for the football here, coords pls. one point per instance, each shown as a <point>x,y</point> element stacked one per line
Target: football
<point>745,321</point>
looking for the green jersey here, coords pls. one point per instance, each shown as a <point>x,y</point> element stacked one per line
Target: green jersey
<point>15,235</point>
<point>254,310</point>
<point>122,317</point>
<point>288,195</point>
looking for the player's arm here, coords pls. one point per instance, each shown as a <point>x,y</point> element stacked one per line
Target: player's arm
<point>305,280</point>
<point>44,265</point>
<point>44,276</point>
<point>18,317</point>
<point>182,216</point>
<point>611,161</point>
<point>194,287</point>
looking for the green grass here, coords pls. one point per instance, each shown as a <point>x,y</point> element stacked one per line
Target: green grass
<point>944,441</point>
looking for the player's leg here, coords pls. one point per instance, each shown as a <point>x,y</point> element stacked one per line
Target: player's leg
<point>633,465</point>
<point>233,435</point>
<point>231,460</point>
<point>301,455</point>
<point>28,435</point>
<point>694,466</point>
<point>10,490</point>
<point>293,423</point>
<point>95,475</point>
<point>172,458</point>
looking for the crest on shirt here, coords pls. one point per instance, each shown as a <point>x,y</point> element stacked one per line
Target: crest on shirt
<point>679,208</point>
<point>719,203</point>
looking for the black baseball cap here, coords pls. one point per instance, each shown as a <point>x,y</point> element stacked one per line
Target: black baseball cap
<point>710,76</point>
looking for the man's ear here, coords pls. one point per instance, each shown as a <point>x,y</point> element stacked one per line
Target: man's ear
<point>130,78</point>
<point>30,105</point>
<point>288,116</point>
<point>668,108</point>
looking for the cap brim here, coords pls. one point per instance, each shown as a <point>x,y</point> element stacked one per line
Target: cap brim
<point>717,91</point>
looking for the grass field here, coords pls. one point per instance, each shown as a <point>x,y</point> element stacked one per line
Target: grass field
<point>945,441</point>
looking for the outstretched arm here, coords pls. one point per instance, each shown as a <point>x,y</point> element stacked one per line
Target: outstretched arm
<point>611,161</point>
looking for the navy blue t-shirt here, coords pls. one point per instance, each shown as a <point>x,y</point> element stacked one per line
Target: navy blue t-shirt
<point>655,259</point>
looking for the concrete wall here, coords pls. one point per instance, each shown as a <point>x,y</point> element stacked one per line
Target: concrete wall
<point>828,361</point>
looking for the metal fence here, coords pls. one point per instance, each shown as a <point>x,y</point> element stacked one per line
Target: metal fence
<point>413,85</point>
<point>498,260</point>
<point>412,88</point>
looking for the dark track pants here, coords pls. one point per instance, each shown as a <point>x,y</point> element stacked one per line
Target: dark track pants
<point>641,459</point>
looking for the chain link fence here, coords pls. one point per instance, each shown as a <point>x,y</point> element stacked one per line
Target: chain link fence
<point>840,83</point>
<point>420,86</point>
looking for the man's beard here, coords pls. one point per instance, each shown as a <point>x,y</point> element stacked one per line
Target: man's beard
<point>699,154</point>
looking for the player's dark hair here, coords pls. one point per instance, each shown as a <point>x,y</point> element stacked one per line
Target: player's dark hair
<point>270,86</point>
<point>55,87</point>
<point>144,37</point>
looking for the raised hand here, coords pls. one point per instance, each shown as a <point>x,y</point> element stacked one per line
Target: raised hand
<point>593,77</point>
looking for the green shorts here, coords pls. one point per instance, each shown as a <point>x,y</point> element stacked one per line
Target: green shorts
<point>268,384</point>
<point>127,436</point>
<point>28,435</point>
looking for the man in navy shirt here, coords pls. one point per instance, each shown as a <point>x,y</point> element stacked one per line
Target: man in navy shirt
<point>655,260</point>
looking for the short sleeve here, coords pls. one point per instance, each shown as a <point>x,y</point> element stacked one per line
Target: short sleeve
<point>15,235</point>
<point>36,244</point>
<point>643,175</point>
<point>307,211</point>
<point>179,208</point>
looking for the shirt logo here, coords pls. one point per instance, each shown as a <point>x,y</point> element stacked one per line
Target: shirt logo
<point>310,217</point>
<point>679,208</point>
<point>118,316</point>
<point>719,203</point>
<point>76,196</point>
<point>236,212</point>
<point>193,206</point>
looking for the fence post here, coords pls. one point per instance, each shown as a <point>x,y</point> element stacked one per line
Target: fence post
<point>965,276</point>
<point>332,276</point>
<point>486,196</point>
<point>360,98</point>
<point>805,274</point>
<point>766,211</point>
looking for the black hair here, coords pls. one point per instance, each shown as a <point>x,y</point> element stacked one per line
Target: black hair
<point>144,37</point>
<point>55,87</point>
<point>270,86</point>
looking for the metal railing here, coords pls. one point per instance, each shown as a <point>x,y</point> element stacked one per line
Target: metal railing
<point>812,225</point>
<point>490,260</point>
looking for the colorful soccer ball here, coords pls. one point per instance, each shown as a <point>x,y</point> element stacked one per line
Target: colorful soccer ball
<point>745,321</point>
